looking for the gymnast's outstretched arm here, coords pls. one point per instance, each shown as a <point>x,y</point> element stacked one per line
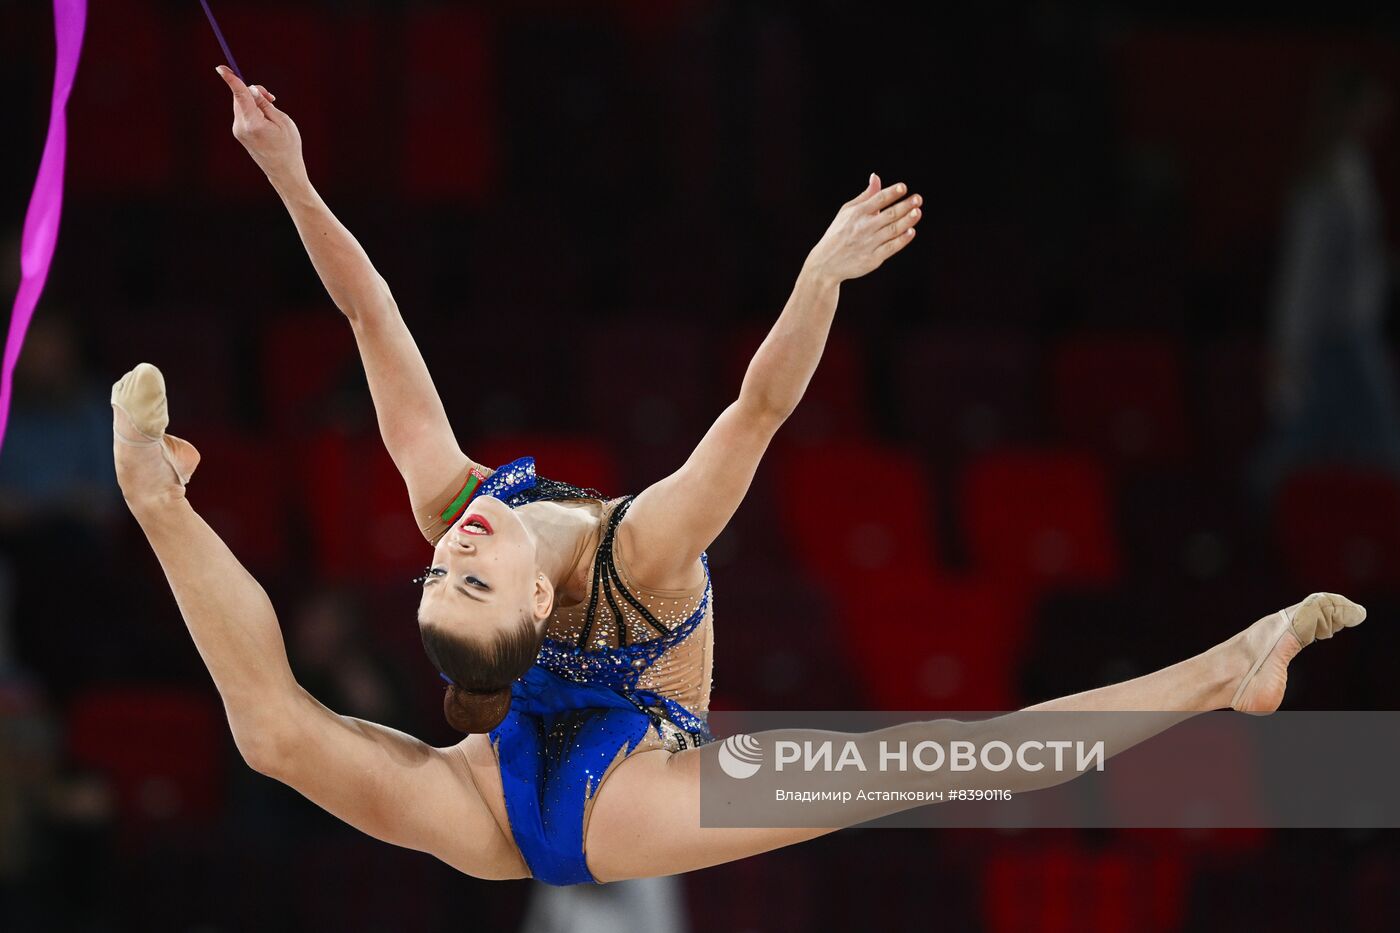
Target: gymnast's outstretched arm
<point>673,521</point>
<point>412,420</point>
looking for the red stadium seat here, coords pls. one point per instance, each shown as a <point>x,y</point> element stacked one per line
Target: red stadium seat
<point>1039,518</point>
<point>1339,529</point>
<point>162,749</point>
<point>961,392</point>
<point>1121,397</point>
<point>362,526</point>
<point>919,639</point>
<point>854,511</point>
<point>925,643</point>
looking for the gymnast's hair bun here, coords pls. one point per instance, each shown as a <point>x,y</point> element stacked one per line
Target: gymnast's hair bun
<point>475,711</point>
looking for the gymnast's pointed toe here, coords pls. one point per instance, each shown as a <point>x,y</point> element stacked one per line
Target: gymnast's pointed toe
<point>140,415</point>
<point>1322,615</point>
<point>140,395</point>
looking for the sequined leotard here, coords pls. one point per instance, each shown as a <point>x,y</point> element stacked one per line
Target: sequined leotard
<point>625,670</point>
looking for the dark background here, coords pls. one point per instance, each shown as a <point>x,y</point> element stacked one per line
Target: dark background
<point>1023,469</point>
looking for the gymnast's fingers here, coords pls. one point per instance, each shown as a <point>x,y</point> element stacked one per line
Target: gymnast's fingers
<point>243,104</point>
<point>890,247</point>
<point>264,98</point>
<point>906,223</point>
<point>887,197</point>
<point>892,216</point>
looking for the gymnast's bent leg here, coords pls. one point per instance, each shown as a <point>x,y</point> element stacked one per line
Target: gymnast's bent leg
<point>383,782</point>
<point>646,819</point>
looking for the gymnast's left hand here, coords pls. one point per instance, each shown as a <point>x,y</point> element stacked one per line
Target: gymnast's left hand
<point>869,228</point>
<point>269,135</point>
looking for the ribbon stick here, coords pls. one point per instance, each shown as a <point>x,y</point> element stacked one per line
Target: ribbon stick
<point>46,203</point>
<point>219,34</point>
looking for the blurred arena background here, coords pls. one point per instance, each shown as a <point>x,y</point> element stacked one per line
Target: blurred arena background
<point>1079,373</point>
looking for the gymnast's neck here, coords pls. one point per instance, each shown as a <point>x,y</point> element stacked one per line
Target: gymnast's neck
<point>563,532</point>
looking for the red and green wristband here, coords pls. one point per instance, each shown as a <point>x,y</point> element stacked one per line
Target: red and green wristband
<point>459,504</point>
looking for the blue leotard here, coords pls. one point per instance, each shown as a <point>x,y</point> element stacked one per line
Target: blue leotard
<point>578,707</point>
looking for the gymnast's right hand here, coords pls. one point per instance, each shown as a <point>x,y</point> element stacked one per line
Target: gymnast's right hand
<point>868,229</point>
<point>269,135</point>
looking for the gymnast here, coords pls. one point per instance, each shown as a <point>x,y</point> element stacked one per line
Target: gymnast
<point>574,633</point>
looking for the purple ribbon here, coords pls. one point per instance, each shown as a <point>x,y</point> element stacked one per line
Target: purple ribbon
<point>46,203</point>
<point>219,34</point>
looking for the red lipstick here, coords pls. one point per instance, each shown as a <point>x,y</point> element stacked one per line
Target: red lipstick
<point>478,519</point>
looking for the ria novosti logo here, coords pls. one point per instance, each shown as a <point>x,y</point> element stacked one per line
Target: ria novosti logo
<point>740,756</point>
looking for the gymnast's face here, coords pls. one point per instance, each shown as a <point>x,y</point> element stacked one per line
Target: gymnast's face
<point>484,575</point>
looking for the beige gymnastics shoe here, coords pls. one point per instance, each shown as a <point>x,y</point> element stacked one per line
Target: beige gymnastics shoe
<point>140,417</point>
<point>1274,640</point>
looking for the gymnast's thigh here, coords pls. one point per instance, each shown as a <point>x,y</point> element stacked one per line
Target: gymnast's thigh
<point>485,772</point>
<point>646,821</point>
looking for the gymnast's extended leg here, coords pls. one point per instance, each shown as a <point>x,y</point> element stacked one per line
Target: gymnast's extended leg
<point>646,819</point>
<point>379,780</point>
